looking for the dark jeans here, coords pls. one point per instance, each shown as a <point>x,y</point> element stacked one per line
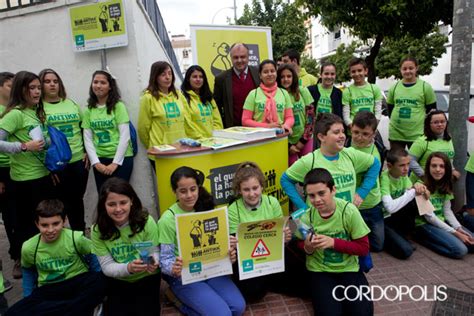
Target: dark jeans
<point>468,221</point>
<point>373,217</point>
<point>124,171</point>
<point>7,207</point>
<point>469,189</point>
<point>133,298</point>
<point>76,296</point>
<point>27,195</point>
<point>396,244</point>
<point>400,144</point>
<point>253,289</point>
<point>323,287</point>
<point>71,188</point>
<point>3,304</point>
<point>397,226</point>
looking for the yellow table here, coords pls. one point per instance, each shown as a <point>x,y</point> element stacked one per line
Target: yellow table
<point>219,166</point>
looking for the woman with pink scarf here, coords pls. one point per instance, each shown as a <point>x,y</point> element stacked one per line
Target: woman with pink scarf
<point>268,106</point>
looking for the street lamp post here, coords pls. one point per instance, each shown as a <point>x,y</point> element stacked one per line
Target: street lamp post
<point>221,9</point>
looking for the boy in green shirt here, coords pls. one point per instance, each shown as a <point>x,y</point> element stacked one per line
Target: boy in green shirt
<point>361,95</point>
<point>59,262</point>
<point>364,129</point>
<point>398,197</point>
<point>337,236</point>
<point>469,214</point>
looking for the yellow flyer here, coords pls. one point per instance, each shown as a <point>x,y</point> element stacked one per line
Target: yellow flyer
<point>203,242</point>
<point>260,247</point>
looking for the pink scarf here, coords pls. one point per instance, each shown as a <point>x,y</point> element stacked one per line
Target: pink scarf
<point>270,114</point>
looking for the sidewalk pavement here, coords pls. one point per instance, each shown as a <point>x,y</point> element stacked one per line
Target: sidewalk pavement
<point>424,268</point>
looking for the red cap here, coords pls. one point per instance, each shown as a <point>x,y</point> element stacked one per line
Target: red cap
<point>471,119</point>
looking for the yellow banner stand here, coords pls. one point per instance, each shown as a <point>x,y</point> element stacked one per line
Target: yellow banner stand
<point>219,166</point>
<point>211,46</point>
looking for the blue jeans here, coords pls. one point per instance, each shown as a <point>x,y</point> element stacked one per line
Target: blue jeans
<point>442,242</point>
<point>373,217</point>
<point>216,296</point>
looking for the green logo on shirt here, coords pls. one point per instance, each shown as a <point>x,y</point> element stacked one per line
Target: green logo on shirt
<point>102,124</point>
<point>66,130</point>
<point>405,113</point>
<point>204,110</point>
<point>104,137</point>
<point>172,110</point>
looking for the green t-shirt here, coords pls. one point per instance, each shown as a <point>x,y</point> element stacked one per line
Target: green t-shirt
<point>105,129</point>
<point>406,122</point>
<point>24,165</point>
<point>422,148</point>
<point>269,208</point>
<point>354,227</point>
<point>393,187</point>
<point>361,98</point>
<point>67,116</point>
<point>299,113</point>
<point>256,100</point>
<point>438,200</point>
<point>123,249</point>
<point>374,197</point>
<point>56,261</point>
<point>470,164</point>
<point>2,286</point>
<point>167,226</point>
<point>343,170</point>
<point>4,158</point>
<point>324,103</point>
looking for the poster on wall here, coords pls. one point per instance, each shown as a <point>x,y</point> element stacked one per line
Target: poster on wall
<point>99,25</point>
<point>211,46</point>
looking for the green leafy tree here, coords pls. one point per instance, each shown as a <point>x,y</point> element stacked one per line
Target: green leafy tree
<point>341,60</point>
<point>377,20</point>
<point>310,65</point>
<point>286,21</point>
<point>426,49</point>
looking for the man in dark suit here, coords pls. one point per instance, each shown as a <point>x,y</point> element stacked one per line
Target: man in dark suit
<point>233,85</point>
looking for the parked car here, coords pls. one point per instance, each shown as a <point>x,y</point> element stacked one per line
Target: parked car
<point>442,103</point>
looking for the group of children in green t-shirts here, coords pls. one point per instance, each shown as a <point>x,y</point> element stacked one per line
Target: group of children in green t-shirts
<point>351,204</point>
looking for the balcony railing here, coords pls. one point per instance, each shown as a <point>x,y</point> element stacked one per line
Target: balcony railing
<point>9,5</point>
<point>155,16</point>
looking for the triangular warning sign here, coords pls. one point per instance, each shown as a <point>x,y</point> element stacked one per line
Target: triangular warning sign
<point>260,250</point>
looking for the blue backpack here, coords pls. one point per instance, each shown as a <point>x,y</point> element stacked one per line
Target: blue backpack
<point>133,138</point>
<point>58,153</point>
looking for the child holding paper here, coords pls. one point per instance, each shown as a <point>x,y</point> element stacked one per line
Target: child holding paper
<point>339,235</point>
<point>125,240</point>
<point>215,296</point>
<point>252,205</point>
<point>398,197</point>
<point>440,230</point>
